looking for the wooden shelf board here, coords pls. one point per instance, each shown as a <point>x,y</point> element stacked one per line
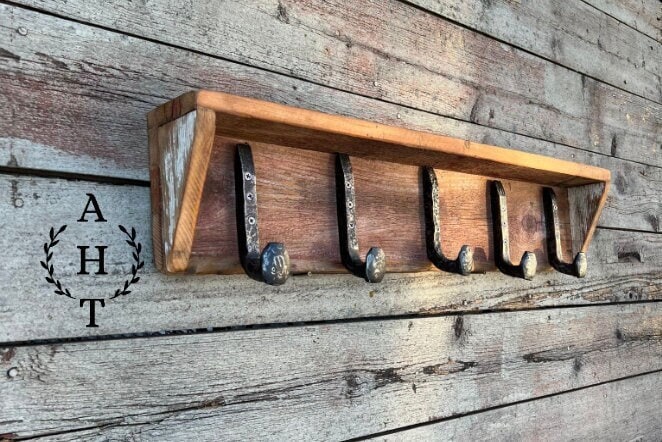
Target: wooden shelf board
<point>194,222</point>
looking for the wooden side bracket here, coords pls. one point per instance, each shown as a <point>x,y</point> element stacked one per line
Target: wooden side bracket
<point>193,140</point>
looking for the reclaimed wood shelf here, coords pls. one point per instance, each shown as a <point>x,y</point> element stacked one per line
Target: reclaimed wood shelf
<point>193,140</point>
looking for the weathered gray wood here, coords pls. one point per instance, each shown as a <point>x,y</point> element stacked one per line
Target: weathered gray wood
<point>623,266</point>
<point>390,51</point>
<point>571,33</point>
<point>329,381</point>
<point>624,410</point>
<point>109,136</point>
<point>643,15</point>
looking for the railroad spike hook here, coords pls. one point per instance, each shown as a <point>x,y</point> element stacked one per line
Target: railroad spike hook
<point>527,266</point>
<point>272,265</point>
<point>579,265</point>
<point>464,263</point>
<point>374,267</point>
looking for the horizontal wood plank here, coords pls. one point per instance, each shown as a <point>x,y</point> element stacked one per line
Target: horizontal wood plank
<point>390,51</point>
<point>623,266</point>
<point>296,195</point>
<point>643,15</point>
<point>628,409</point>
<point>119,79</point>
<point>569,32</point>
<point>329,381</point>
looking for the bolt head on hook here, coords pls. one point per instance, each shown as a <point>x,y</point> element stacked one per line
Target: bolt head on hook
<point>375,265</point>
<point>275,263</point>
<point>528,264</point>
<point>581,264</point>
<point>465,260</point>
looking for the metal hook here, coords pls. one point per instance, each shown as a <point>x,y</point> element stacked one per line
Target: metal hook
<point>273,264</point>
<point>527,266</point>
<point>580,264</point>
<point>374,267</point>
<point>464,263</point>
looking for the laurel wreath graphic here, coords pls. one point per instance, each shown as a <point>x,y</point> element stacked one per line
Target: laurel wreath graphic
<point>63,291</point>
<point>139,264</point>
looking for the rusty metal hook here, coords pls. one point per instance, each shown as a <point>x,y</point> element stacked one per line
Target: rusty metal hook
<point>579,265</point>
<point>374,267</point>
<point>273,264</point>
<point>464,263</point>
<point>527,266</point>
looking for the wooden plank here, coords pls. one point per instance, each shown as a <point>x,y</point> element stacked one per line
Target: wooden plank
<point>296,194</point>
<point>624,410</point>
<point>328,381</point>
<point>569,32</point>
<point>119,79</point>
<point>623,266</point>
<point>367,50</point>
<point>643,15</point>
<point>274,129</point>
<point>179,157</point>
<point>267,122</point>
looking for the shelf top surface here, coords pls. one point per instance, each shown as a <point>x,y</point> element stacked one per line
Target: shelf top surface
<point>256,120</point>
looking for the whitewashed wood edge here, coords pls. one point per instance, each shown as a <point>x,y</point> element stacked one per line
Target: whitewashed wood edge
<point>200,71</point>
<point>627,409</point>
<point>327,381</point>
<point>623,267</point>
<point>175,143</point>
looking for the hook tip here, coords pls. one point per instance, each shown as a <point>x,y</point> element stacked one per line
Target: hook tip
<point>580,264</point>
<point>466,260</point>
<point>375,265</point>
<point>528,264</point>
<point>275,263</point>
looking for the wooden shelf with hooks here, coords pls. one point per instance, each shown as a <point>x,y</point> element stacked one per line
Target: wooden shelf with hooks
<point>193,139</point>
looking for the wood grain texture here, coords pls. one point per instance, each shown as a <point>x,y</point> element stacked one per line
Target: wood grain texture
<point>114,72</point>
<point>623,410</point>
<point>623,267</point>
<point>397,53</point>
<point>326,381</point>
<point>583,202</point>
<point>297,203</point>
<point>268,122</point>
<point>73,98</point>
<point>182,155</point>
<point>571,33</point>
<point>298,207</point>
<point>643,15</point>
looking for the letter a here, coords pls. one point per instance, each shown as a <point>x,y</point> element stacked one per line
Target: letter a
<point>96,210</point>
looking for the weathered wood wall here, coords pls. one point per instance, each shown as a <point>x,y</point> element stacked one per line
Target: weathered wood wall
<point>330,357</point>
